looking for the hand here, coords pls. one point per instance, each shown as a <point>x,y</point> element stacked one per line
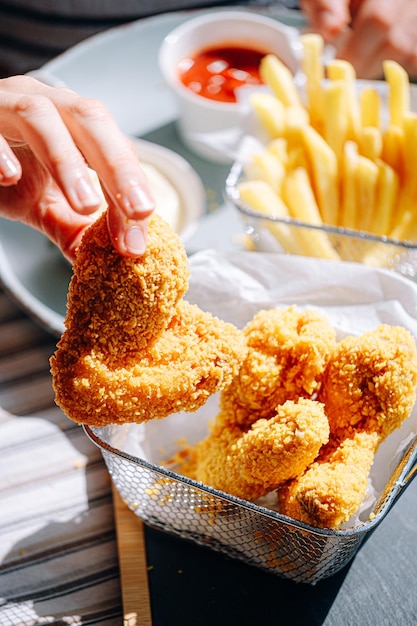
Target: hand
<point>49,137</point>
<point>369,32</point>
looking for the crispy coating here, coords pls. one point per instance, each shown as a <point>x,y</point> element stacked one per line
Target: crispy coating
<point>333,487</point>
<point>133,349</point>
<point>370,382</point>
<point>287,352</point>
<point>364,388</point>
<point>249,464</point>
<point>123,304</point>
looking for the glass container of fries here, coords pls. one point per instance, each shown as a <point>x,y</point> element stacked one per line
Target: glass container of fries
<point>240,529</point>
<point>270,233</point>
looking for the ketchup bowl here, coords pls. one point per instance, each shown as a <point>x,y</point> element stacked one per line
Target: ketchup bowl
<point>207,60</point>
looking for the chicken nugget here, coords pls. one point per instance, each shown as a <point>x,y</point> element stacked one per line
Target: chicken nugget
<point>333,487</point>
<point>287,353</point>
<point>249,464</point>
<point>122,304</point>
<point>369,384</point>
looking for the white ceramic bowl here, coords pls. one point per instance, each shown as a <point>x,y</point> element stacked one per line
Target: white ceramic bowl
<point>200,118</point>
<point>183,178</point>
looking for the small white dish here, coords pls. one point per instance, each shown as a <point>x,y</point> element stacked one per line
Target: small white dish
<point>200,116</point>
<point>183,178</point>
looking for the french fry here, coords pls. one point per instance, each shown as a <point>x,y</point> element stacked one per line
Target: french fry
<point>366,183</point>
<point>398,91</point>
<point>313,69</point>
<point>393,148</point>
<point>339,69</point>
<point>410,144</point>
<point>370,107</point>
<point>298,196</point>
<point>278,147</point>
<point>279,78</point>
<point>336,126</point>
<point>370,142</point>
<point>386,196</point>
<point>271,113</point>
<point>349,205</point>
<point>408,195</point>
<point>260,197</point>
<point>296,119</point>
<point>266,166</point>
<point>297,158</point>
<point>405,230</point>
<point>323,165</point>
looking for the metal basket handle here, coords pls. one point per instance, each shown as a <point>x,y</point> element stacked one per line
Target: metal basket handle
<point>411,474</point>
<point>408,469</point>
<point>400,480</point>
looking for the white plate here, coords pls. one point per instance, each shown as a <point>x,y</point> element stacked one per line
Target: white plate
<point>120,67</point>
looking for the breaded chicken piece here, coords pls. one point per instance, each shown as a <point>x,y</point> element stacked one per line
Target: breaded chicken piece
<point>252,463</point>
<point>333,487</point>
<point>287,352</point>
<point>123,304</point>
<point>133,349</point>
<point>369,389</point>
<point>370,382</point>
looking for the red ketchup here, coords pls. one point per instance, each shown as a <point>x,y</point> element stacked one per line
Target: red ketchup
<point>215,73</point>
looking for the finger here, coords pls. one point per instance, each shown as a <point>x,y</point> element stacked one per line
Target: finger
<point>33,119</point>
<point>363,52</point>
<point>109,152</point>
<point>51,215</point>
<point>129,237</point>
<point>10,168</point>
<point>327,17</point>
<point>65,228</point>
<point>112,155</point>
<point>373,38</point>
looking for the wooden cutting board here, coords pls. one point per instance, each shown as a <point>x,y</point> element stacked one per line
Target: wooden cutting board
<point>133,566</point>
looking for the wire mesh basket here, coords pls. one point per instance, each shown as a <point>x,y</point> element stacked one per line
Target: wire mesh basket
<point>240,529</point>
<point>348,244</point>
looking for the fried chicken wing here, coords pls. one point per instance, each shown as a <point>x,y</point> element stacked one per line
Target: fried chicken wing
<point>249,464</point>
<point>369,389</point>
<point>287,352</point>
<point>296,380</point>
<point>332,489</point>
<point>370,382</point>
<point>123,304</point>
<point>133,348</point>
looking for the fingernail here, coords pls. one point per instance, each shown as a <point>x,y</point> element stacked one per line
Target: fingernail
<point>135,240</point>
<point>138,198</point>
<point>86,194</point>
<point>8,169</point>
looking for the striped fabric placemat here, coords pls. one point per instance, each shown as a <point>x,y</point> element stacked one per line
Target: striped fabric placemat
<point>58,551</point>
